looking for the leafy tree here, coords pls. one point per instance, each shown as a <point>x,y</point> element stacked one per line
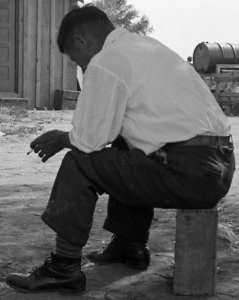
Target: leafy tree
<point>125,15</point>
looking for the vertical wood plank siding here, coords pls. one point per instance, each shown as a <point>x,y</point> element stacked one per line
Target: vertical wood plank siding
<point>20,53</point>
<point>65,60</point>
<point>58,56</point>
<point>44,68</point>
<point>26,53</point>
<point>38,53</point>
<point>52,51</point>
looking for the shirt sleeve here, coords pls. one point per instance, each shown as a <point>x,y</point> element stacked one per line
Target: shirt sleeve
<point>100,110</point>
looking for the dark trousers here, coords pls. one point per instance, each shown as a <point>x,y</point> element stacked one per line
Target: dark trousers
<point>190,177</point>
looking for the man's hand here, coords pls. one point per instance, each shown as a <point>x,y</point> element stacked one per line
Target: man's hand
<point>49,143</point>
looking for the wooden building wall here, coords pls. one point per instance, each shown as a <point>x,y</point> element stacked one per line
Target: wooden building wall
<point>46,69</point>
<point>29,55</point>
<point>7,45</point>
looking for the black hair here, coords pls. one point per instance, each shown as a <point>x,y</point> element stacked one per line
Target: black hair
<point>80,16</point>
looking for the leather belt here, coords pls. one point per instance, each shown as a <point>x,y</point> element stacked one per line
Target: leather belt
<point>202,140</point>
<point>199,140</point>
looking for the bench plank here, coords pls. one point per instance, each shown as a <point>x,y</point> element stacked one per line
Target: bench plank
<point>195,252</point>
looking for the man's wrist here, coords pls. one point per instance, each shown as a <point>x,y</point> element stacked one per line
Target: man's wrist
<point>65,140</point>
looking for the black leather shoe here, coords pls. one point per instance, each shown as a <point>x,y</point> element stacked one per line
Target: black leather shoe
<point>119,250</point>
<point>56,274</point>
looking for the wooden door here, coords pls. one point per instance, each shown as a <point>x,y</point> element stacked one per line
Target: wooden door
<point>7,46</point>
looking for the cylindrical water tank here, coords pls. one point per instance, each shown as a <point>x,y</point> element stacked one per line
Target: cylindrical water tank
<point>207,55</point>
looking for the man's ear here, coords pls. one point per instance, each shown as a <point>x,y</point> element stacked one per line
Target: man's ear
<point>79,39</point>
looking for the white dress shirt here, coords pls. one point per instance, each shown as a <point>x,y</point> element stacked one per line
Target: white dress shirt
<point>139,88</point>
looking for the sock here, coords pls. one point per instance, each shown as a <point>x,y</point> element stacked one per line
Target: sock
<point>66,249</point>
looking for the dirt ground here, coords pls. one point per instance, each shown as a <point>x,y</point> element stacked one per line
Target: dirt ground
<point>25,185</point>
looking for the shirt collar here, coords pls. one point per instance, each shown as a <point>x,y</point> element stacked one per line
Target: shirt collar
<point>114,36</point>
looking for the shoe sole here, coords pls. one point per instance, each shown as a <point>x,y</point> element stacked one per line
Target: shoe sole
<point>59,290</point>
<point>121,261</point>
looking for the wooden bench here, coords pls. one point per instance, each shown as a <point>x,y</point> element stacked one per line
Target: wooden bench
<point>195,252</point>
<point>65,99</point>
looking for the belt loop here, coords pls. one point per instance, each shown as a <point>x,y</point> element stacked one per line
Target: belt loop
<point>219,141</point>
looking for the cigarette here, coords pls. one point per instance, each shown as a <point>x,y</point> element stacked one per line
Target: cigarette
<point>29,152</point>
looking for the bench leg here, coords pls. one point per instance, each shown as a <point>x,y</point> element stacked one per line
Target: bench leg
<point>195,252</point>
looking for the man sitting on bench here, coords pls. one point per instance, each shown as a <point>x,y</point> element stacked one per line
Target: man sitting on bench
<point>171,148</point>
